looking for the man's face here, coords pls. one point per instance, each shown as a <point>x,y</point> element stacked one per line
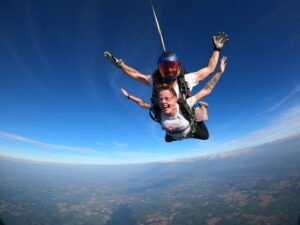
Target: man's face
<point>169,69</point>
<point>167,101</point>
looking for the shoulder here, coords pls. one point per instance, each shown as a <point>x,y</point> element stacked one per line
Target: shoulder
<point>192,78</point>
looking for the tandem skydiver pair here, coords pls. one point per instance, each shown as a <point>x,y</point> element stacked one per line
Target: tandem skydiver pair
<point>172,103</point>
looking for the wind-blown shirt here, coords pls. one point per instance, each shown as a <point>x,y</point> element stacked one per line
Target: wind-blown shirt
<point>177,126</point>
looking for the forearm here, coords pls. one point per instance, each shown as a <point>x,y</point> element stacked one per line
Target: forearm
<point>211,66</point>
<point>208,87</point>
<point>134,74</point>
<point>213,81</point>
<point>139,101</point>
<point>213,61</point>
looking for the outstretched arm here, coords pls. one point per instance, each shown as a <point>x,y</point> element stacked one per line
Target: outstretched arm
<point>133,73</point>
<point>137,100</point>
<point>219,41</point>
<point>213,81</point>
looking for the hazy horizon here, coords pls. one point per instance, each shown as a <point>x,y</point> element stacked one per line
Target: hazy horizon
<point>259,186</point>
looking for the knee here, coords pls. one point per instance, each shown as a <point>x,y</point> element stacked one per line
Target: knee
<point>169,138</point>
<point>201,136</point>
<point>206,136</point>
<point>204,117</point>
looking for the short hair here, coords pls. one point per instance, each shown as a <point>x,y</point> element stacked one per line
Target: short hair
<point>170,89</point>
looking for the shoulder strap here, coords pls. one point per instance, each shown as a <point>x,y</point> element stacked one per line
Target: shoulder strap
<point>155,113</point>
<point>184,92</point>
<point>185,109</point>
<point>157,79</point>
<point>183,86</point>
<point>188,114</point>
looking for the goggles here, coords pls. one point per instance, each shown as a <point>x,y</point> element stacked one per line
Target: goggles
<point>166,67</point>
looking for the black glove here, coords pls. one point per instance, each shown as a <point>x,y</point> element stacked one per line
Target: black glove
<point>114,60</point>
<point>220,40</point>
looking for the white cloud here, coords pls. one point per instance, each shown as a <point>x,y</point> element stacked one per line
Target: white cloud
<point>281,126</point>
<point>100,144</point>
<point>136,154</point>
<point>18,138</point>
<point>119,145</point>
<point>285,98</point>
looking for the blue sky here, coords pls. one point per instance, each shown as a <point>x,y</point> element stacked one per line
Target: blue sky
<point>60,100</point>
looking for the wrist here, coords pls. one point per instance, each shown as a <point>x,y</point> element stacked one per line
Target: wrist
<point>217,49</point>
<point>119,63</point>
<point>128,96</point>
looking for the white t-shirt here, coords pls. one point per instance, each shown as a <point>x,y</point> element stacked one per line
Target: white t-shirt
<point>190,78</point>
<point>177,123</point>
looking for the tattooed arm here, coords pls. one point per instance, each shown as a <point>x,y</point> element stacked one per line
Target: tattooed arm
<point>213,81</point>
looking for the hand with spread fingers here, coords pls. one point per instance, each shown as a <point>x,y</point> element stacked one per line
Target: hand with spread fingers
<point>125,93</point>
<point>117,62</point>
<point>222,64</point>
<point>220,40</point>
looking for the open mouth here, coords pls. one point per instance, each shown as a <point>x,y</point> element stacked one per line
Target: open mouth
<point>165,107</point>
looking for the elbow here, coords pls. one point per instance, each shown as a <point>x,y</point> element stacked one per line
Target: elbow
<point>204,117</point>
<point>211,68</point>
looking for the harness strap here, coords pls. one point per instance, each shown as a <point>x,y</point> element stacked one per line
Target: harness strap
<point>178,131</point>
<point>184,92</point>
<point>188,114</point>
